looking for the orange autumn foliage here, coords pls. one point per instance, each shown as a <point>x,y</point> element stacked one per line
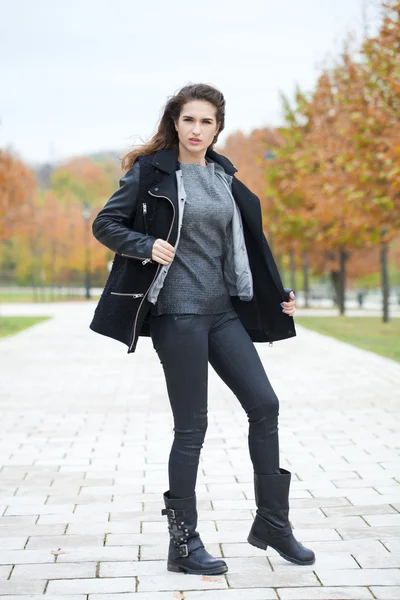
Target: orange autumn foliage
<point>17,183</point>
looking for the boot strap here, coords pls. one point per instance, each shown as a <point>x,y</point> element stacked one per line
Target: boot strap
<point>173,512</point>
<point>185,549</point>
<point>279,532</point>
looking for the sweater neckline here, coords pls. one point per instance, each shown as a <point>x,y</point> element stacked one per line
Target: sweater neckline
<point>209,164</point>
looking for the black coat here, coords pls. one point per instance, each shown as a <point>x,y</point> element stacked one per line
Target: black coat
<point>144,208</point>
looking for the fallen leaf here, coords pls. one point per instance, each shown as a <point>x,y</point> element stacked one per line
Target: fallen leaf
<point>59,551</point>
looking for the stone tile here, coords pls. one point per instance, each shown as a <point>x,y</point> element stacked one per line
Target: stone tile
<point>39,509</point>
<point>47,596</point>
<point>362,510</point>
<point>12,543</point>
<point>5,571</point>
<point>173,581</point>
<point>390,490</point>
<point>90,528</point>
<point>359,576</point>
<point>15,557</point>
<point>134,539</point>
<point>231,594</point>
<point>23,500</point>
<point>393,545</point>
<point>54,542</point>
<point>244,549</point>
<point>89,509</point>
<point>265,577</point>
<point>22,586</point>
<point>371,532</point>
<point>375,560</point>
<point>132,568</point>
<point>249,565</point>
<point>356,498</point>
<point>90,586</point>
<point>28,530</point>
<point>130,596</point>
<point>383,520</point>
<point>325,593</point>
<point>318,502</point>
<point>15,521</point>
<point>99,553</point>
<point>54,571</point>
<point>73,519</point>
<point>386,592</point>
<point>323,560</point>
<point>352,546</point>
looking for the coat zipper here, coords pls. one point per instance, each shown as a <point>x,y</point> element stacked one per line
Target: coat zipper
<point>137,257</point>
<point>157,270</point>
<point>133,295</point>
<point>144,205</point>
<point>144,262</point>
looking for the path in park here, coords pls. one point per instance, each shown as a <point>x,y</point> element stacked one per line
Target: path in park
<point>85,436</point>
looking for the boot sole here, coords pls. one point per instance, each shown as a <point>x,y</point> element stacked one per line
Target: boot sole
<point>263,546</point>
<point>181,569</point>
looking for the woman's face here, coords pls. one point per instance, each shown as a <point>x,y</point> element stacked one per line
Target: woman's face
<point>197,120</point>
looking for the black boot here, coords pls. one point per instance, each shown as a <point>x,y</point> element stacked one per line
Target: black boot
<point>271,525</point>
<point>186,550</point>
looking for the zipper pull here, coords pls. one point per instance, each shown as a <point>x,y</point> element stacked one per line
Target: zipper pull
<point>144,205</point>
<point>144,262</point>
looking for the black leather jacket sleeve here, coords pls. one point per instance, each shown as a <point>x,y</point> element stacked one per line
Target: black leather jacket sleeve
<point>113,225</point>
<point>288,290</point>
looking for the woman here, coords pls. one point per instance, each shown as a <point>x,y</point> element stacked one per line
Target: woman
<point>194,271</point>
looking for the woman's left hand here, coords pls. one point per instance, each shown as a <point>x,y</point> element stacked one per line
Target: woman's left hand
<point>289,307</point>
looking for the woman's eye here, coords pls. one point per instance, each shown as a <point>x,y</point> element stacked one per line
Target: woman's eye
<point>205,122</point>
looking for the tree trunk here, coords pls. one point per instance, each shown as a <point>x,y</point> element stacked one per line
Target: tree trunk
<point>335,284</point>
<point>385,282</point>
<point>87,261</point>
<point>342,280</point>
<point>52,270</point>
<point>292,270</point>
<point>33,272</point>
<point>306,280</point>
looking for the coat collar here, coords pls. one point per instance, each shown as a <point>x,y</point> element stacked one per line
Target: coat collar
<point>167,160</point>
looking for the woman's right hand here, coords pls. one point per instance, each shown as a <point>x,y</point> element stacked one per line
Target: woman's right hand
<point>162,252</point>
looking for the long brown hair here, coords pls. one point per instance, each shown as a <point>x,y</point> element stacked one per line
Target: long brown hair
<point>166,135</point>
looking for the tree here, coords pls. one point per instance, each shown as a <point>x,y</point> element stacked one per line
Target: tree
<point>17,183</point>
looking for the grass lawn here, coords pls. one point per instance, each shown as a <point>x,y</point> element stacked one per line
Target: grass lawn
<point>369,333</point>
<point>10,325</point>
<point>24,296</point>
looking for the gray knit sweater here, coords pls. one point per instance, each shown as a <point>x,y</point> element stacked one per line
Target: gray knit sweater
<point>195,282</point>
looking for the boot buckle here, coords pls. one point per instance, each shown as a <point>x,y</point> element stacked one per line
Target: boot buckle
<point>184,548</point>
<point>166,511</point>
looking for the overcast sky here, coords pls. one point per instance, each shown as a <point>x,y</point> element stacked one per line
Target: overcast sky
<point>81,76</point>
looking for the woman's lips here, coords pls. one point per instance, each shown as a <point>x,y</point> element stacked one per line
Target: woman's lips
<point>194,141</point>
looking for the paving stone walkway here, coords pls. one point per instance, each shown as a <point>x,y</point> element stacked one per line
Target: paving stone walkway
<point>84,441</point>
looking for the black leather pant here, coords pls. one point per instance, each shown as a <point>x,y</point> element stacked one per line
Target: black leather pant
<point>185,343</point>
